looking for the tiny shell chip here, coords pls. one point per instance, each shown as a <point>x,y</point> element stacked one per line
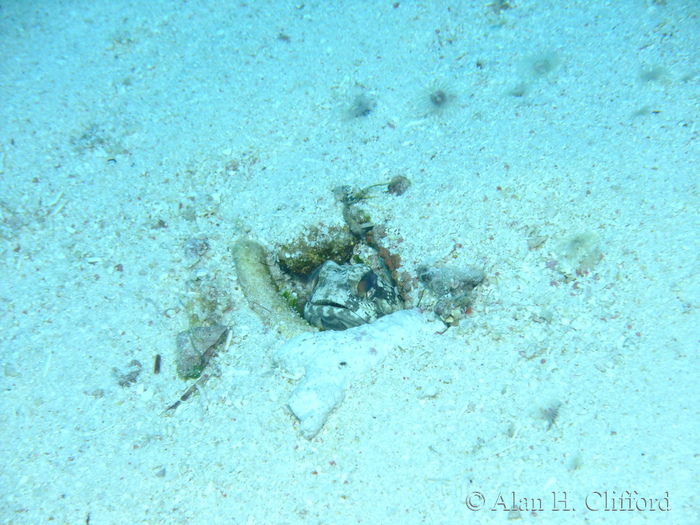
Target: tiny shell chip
<point>196,247</point>
<point>190,347</point>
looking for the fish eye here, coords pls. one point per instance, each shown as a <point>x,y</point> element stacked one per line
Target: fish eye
<point>367,286</point>
<point>313,280</point>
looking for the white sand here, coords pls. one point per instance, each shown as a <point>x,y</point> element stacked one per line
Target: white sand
<point>118,115</point>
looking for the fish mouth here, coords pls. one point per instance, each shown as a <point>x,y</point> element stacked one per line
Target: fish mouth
<point>335,316</point>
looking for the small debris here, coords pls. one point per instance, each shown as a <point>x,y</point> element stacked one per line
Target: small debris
<point>195,248</point>
<point>550,414</point>
<point>191,390</point>
<point>357,219</point>
<point>536,241</point>
<point>348,196</point>
<point>581,251</point>
<point>361,106</point>
<point>126,378</point>
<point>514,514</point>
<point>429,392</point>
<point>398,185</point>
<point>196,347</point>
<point>451,281</point>
<point>453,289</point>
<point>11,371</point>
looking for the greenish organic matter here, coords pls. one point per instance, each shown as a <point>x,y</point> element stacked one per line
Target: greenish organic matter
<point>309,251</point>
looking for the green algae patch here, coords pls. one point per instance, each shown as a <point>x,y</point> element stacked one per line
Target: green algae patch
<point>313,248</point>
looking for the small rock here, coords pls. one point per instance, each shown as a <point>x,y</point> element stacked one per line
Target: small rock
<point>128,376</point>
<point>191,345</point>
<point>330,361</point>
<point>398,185</point>
<point>428,392</point>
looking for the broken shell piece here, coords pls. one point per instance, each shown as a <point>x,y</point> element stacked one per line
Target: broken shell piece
<point>192,346</point>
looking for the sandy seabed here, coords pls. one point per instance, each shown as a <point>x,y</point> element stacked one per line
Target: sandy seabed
<point>564,162</point>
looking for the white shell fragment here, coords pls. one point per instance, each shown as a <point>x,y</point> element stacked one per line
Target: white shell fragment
<point>329,361</point>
